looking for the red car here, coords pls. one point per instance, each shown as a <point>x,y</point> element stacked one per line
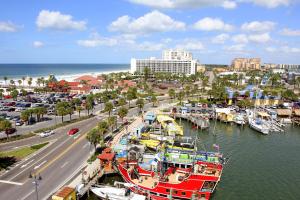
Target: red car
<point>73,131</point>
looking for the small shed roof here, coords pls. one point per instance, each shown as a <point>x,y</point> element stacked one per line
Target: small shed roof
<point>284,112</point>
<point>263,114</point>
<point>64,192</point>
<point>297,112</point>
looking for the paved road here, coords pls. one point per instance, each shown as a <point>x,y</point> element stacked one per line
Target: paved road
<point>57,163</point>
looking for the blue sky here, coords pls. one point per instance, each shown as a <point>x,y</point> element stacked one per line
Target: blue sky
<point>113,31</point>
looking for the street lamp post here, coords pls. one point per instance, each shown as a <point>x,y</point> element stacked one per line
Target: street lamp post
<point>36,180</point>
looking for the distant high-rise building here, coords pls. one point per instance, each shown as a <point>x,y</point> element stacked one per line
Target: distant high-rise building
<point>173,61</point>
<point>176,54</point>
<point>245,64</point>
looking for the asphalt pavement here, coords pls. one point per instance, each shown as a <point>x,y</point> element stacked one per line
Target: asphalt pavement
<point>56,163</point>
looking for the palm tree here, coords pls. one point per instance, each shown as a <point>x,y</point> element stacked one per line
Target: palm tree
<point>12,82</point>
<point>5,79</point>
<point>171,93</point>
<point>19,82</point>
<point>140,103</point>
<point>153,100</point>
<point>180,96</point>
<point>29,82</point>
<point>4,125</point>
<point>79,109</point>
<point>94,137</point>
<point>111,122</point>
<point>122,112</point>
<point>1,93</point>
<point>108,107</point>
<point>23,79</point>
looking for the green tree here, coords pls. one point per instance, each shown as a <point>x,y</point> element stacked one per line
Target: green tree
<point>153,100</point>
<point>5,79</point>
<point>122,102</point>
<point>94,137</point>
<point>140,103</point>
<point>122,112</point>
<point>111,122</point>
<point>79,109</point>
<point>129,97</point>
<point>171,93</point>
<point>12,82</point>
<point>23,79</point>
<point>23,92</point>
<point>62,109</point>
<point>108,107</point>
<point>4,125</point>
<point>180,96</point>
<point>14,93</point>
<point>146,73</point>
<point>89,104</point>
<point>20,82</point>
<point>25,116</point>
<point>1,93</point>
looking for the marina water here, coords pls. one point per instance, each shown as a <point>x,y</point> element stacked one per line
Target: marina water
<point>260,167</point>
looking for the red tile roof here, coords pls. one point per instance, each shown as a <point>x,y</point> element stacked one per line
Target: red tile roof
<point>64,192</point>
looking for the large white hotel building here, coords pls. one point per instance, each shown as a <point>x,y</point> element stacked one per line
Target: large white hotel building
<point>173,61</point>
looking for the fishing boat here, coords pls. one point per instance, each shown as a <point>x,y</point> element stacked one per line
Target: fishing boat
<point>196,182</point>
<point>156,144</point>
<point>169,124</point>
<point>121,191</point>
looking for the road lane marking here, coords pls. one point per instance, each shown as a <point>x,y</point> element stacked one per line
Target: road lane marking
<point>38,166</point>
<point>84,146</point>
<point>27,163</point>
<point>40,158</point>
<point>27,195</point>
<point>62,153</point>
<point>64,164</point>
<point>11,182</point>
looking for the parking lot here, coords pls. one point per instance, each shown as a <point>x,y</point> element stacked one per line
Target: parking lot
<point>11,110</point>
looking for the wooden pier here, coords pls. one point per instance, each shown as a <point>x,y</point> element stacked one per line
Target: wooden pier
<point>196,119</point>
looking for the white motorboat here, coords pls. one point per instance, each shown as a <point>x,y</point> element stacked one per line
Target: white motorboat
<point>120,192</point>
<point>239,119</point>
<point>259,126</point>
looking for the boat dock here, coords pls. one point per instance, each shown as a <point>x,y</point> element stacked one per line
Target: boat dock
<point>196,119</point>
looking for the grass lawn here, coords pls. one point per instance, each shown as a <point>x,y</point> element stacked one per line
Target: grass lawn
<point>22,152</point>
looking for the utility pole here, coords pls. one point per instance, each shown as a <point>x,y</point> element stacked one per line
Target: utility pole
<point>36,180</point>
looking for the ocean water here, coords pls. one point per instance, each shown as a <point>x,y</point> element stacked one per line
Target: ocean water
<point>15,71</point>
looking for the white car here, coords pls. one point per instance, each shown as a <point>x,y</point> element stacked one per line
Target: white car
<point>47,133</point>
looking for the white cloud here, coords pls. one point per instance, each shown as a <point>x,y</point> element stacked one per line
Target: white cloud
<point>235,48</point>
<point>220,39</point>
<point>272,3</point>
<point>149,46</point>
<point>154,21</point>
<point>190,44</point>
<point>8,27</point>
<point>38,44</point>
<point>58,21</point>
<point>240,38</point>
<point>212,24</point>
<point>287,49</point>
<point>290,32</point>
<point>271,49</point>
<point>260,38</point>
<point>257,26</point>
<point>229,4</point>
<point>284,49</point>
<point>179,4</point>
<point>97,40</point>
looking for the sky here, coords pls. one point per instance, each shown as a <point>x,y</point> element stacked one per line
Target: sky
<point>114,31</point>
